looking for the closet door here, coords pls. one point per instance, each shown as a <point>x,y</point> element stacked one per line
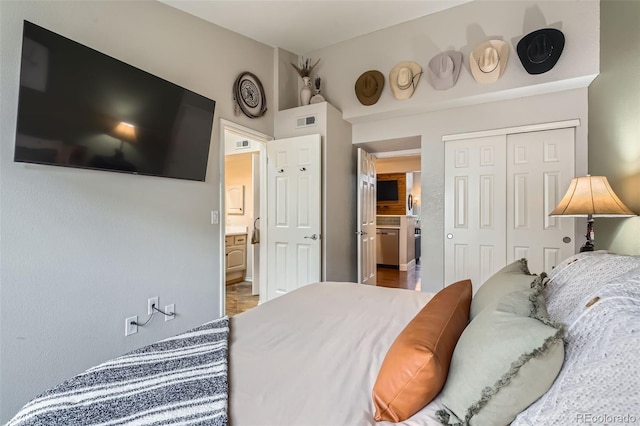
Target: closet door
<point>540,166</point>
<point>475,208</point>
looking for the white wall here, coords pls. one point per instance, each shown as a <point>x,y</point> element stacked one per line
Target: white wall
<point>516,99</point>
<point>83,250</point>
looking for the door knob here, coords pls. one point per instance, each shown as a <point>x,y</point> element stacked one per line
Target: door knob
<point>312,237</point>
<point>449,236</point>
<point>361,233</point>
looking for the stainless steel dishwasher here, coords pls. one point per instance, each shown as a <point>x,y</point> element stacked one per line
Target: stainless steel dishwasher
<point>387,246</point>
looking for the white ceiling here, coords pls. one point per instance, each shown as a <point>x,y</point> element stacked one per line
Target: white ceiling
<point>306,25</point>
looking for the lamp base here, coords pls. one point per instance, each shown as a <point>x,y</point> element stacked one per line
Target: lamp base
<point>588,246</point>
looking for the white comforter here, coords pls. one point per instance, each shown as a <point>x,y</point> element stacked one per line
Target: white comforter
<point>311,357</point>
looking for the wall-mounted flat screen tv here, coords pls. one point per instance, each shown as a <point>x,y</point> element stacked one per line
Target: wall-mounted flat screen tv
<point>81,108</point>
<point>387,190</point>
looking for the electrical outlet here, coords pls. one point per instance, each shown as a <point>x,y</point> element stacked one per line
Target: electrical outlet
<point>170,310</point>
<point>153,301</point>
<point>130,328</point>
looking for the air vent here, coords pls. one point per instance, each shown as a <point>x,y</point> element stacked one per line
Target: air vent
<point>307,121</point>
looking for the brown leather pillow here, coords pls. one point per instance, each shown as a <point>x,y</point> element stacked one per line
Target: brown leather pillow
<point>415,368</point>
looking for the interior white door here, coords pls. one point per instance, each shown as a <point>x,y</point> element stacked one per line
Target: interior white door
<point>540,166</point>
<point>294,214</point>
<point>475,207</point>
<point>366,231</point>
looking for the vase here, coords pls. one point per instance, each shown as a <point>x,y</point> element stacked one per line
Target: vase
<point>305,92</point>
<point>317,98</point>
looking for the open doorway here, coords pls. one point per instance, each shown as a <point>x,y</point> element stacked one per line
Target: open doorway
<point>244,201</point>
<point>398,212</point>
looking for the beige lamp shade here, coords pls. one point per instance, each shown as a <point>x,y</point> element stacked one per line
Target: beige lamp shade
<point>125,132</point>
<point>591,195</point>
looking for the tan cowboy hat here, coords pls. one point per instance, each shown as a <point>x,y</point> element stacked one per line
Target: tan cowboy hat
<point>369,87</point>
<point>403,79</point>
<point>488,61</point>
<point>444,69</point>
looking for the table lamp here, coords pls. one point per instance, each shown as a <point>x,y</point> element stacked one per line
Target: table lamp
<point>590,196</point>
<point>125,132</point>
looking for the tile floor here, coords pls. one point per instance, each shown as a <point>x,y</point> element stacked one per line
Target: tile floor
<point>239,298</point>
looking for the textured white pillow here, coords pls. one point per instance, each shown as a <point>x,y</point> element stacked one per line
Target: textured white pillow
<point>579,276</point>
<point>601,373</point>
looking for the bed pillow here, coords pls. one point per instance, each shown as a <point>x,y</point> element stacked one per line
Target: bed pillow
<point>416,365</point>
<point>601,372</point>
<point>581,276</point>
<point>513,277</point>
<point>506,358</point>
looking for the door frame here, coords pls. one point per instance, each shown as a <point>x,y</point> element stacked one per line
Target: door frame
<point>262,139</point>
<point>388,148</point>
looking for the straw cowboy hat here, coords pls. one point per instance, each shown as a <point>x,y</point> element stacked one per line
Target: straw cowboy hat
<point>444,69</point>
<point>540,50</point>
<point>369,87</point>
<point>403,79</point>
<point>488,61</point>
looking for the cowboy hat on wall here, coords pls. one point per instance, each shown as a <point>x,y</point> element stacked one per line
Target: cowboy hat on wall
<point>444,69</point>
<point>404,78</point>
<point>369,87</point>
<point>540,50</point>
<point>488,61</point>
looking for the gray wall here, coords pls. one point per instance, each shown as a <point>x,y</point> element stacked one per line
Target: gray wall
<point>431,127</point>
<point>614,114</point>
<point>518,98</point>
<point>82,250</point>
<point>462,28</point>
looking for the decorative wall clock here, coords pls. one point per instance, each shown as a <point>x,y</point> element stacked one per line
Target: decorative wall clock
<point>249,96</point>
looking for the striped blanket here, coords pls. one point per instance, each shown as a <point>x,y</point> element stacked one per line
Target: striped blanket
<point>177,381</point>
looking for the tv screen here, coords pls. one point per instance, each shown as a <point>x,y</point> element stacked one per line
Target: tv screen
<point>81,108</point>
<point>387,190</point>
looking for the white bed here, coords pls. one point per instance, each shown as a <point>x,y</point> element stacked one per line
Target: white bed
<point>312,357</point>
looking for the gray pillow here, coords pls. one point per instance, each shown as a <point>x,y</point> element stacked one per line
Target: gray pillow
<point>506,358</point>
<point>515,276</point>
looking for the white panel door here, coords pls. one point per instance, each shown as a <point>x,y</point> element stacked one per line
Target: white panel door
<point>475,206</point>
<point>540,166</point>
<point>366,232</point>
<point>294,214</point>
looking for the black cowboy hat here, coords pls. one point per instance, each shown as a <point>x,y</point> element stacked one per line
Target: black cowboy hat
<point>540,50</point>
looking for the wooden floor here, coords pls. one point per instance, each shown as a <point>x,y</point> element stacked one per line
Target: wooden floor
<point>390,277</point>
<point>239,298</point>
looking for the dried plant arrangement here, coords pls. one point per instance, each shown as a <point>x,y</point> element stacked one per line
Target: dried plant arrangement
<point>305,68</point>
